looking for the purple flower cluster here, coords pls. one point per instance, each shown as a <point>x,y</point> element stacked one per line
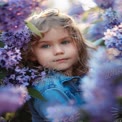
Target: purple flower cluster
<point>93,33</point>
<point>60,113</point>
<point>17,39</point>
<point>9,57</point>
<point>104,4</point>
<point>14,12</point>
<point>113,38</point>
<point>22,76</point>
<point>12,98</point>
<point>100,87</point>
<point>15,36</point>
<point>111,18</point>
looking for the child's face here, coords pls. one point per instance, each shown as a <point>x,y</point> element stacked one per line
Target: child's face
<point>56,50</point>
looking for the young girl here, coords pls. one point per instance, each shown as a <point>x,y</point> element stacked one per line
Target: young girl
<point>62,53</point>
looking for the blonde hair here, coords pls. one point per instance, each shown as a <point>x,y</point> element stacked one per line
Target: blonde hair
<point>53,18</point>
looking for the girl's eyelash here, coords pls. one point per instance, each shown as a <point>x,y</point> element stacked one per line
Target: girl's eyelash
<point>65,42</point>
<point>45,46</point>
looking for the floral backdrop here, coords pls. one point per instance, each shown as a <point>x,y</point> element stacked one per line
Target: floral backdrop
<point>102,87</point>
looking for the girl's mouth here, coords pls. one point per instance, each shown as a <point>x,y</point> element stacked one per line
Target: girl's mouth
<point>61,60</point>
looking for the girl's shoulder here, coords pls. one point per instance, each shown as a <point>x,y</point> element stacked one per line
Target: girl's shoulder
<point>54,80</point>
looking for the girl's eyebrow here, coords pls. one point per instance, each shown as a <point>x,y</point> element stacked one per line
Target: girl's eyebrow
<point>67,37</point>
<point>49,41</point>
<point>44,41</point>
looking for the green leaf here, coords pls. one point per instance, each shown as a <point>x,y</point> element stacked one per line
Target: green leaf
<point>36,94</point>
<point>97,21</point>
<point>9,116</point>
<point>33,28</point>
<point>119,99</point>
<point>3,73</point>
<point>98,42</point>
<point>1,44</point>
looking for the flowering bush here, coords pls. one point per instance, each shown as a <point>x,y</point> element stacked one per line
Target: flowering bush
<point>14,12</point>
<point>104,4</point>
<point>111,18</point>
<point>14,35</point>
<point>102,88</point>
<point>113,38</point>
<point>17,39</point>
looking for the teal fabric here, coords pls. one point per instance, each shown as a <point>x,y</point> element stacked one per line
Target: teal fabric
<point>57,89</point>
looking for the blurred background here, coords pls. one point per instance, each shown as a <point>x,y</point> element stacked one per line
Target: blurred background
<point>88,14</point>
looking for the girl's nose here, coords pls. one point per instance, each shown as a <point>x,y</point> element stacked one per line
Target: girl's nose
<point>58,50</point>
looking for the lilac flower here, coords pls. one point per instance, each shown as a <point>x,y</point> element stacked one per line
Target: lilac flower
<point>43,74</point>
<point>98,98</point>
<point>59,113</point>
<point>118,91</point>
<point>104,4</point>
<point>100,86</point>
<point>93,33</point>
<point>22,76</point>
<point>76,9</point>
<point>111,18</point>
<point>11,98</point>
<point>17,39</point>
<point>113,38</point>
<point>14,12</point>
<point>117,6</point>
<point>9,57</point>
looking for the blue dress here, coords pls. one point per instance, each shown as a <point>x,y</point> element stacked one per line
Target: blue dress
<point>56,88</point>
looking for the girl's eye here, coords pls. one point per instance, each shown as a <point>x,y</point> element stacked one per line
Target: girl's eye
<point>65,42</point>
<point>45,46</point>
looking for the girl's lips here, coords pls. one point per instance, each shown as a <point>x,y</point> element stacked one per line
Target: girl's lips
<point>63,59</point>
